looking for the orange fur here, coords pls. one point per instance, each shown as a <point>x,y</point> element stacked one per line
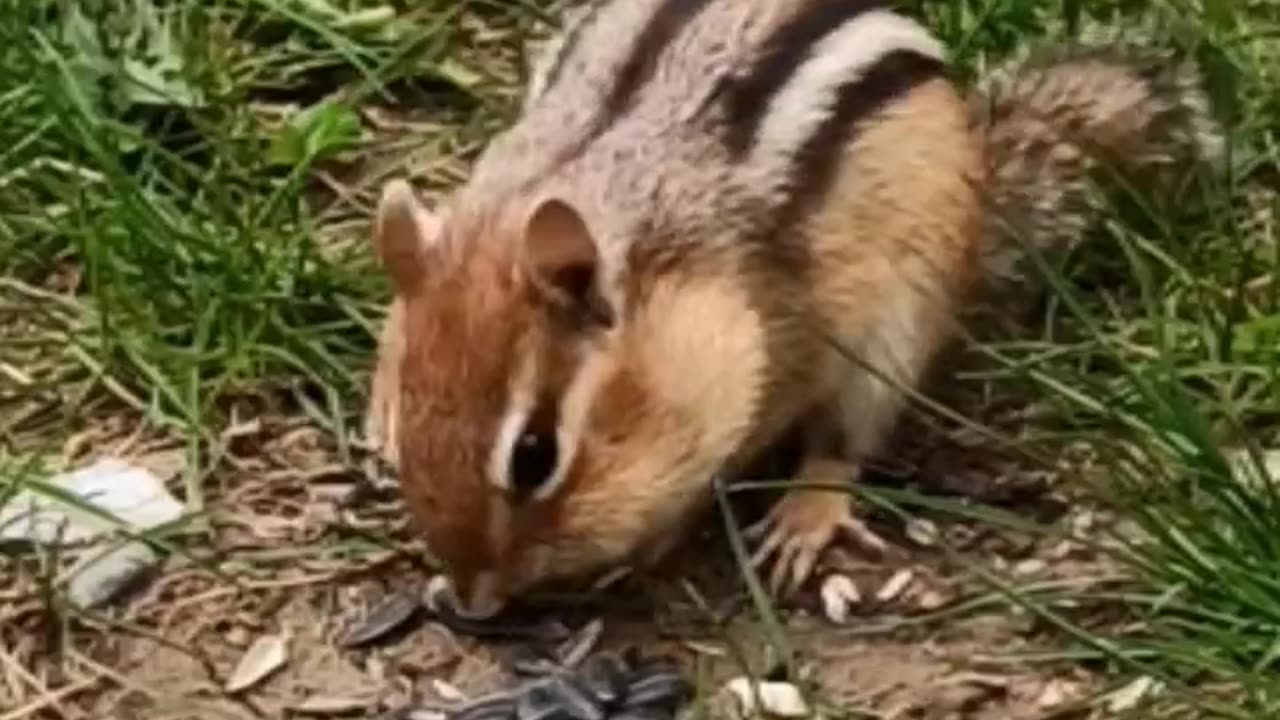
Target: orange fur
<point>685,383</point>
<point>669,358</point>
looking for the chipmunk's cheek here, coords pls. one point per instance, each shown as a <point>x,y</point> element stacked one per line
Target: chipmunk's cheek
<point>537,565</point>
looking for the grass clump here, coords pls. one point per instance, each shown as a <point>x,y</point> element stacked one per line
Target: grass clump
<point>189,175</point>
<point>1160,355</point>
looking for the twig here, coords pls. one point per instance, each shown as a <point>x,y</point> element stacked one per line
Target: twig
<point>115,675</point>
<point>51,698</point>
<point>16,668</point>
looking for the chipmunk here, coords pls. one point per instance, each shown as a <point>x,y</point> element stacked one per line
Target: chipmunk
<point>703,208</point>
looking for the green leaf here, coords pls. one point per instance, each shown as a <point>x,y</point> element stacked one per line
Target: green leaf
<point>316,132</point>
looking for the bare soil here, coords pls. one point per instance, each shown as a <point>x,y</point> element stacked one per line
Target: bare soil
<point>299,543</point>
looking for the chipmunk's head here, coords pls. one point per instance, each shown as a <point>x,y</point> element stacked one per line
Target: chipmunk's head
<point>545,428</point>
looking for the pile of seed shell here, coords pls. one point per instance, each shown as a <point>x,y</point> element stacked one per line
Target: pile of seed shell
<point>604,687</point>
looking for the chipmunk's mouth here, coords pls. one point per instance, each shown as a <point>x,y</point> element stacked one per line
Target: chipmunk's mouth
<point>483,599</point>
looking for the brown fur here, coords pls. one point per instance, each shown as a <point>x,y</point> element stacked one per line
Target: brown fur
<point>688,383</point>
<point>722,339</point>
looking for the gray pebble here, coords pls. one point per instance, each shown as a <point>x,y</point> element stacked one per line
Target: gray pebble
<point>99,577</point>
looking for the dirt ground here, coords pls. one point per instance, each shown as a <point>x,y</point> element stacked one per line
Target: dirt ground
<point>300,543</point>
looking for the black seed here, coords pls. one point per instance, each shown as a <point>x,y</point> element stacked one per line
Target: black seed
<point>390,613</point>
<point>663,689</point>
<point>642,713</point>
<point>580,646</point>
<point>534,667</point>
<point>577,700</point>
<point>498,706</point>
<point>540,702</point>
<point>604,676</point>
<point>510,627</point>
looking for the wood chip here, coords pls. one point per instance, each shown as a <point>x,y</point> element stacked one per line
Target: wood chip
<point>268,654</point>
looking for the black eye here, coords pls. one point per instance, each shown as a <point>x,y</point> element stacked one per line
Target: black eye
<point>533,459</point>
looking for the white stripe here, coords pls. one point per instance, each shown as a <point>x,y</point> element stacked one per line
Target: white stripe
<point>575,407</point>
<point>521,397</point>
<point>810,96</point>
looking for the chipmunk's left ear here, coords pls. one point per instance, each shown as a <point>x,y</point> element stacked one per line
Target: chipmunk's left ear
<point>563,262</point>
<point>405,234</point>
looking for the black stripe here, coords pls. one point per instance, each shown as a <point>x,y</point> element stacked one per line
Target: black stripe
<point>747,98</point>
<point>570,43</point>
<point>657,34</point>
<point>859,99</point>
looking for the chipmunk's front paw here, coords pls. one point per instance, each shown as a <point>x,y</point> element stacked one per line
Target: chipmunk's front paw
<point>803,526</point>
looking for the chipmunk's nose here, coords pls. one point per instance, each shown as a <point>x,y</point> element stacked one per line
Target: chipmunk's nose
<point>479,596</point>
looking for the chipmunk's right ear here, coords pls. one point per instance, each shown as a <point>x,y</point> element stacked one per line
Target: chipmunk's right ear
<point>563,261</point>
<point>404,233</point>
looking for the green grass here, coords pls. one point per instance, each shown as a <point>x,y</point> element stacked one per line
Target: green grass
<point>184,189</point>
<point>1160,355</point>
<point>174,156</point>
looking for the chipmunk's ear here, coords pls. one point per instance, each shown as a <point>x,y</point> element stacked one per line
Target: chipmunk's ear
<point>404,233</point>
<point>563,261</point>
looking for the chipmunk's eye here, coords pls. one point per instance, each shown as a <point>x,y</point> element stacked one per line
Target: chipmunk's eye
<point>533,459</point>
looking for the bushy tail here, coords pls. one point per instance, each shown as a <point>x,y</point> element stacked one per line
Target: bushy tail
<point>1050,120</point>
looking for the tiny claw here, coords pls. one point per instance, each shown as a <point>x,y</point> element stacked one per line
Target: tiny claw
<point>802,567</point>
<point>857,531</point>
<point>755,531</point>
<point>778,573</point>
<point>771,545</point>
<point>800,531</point>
